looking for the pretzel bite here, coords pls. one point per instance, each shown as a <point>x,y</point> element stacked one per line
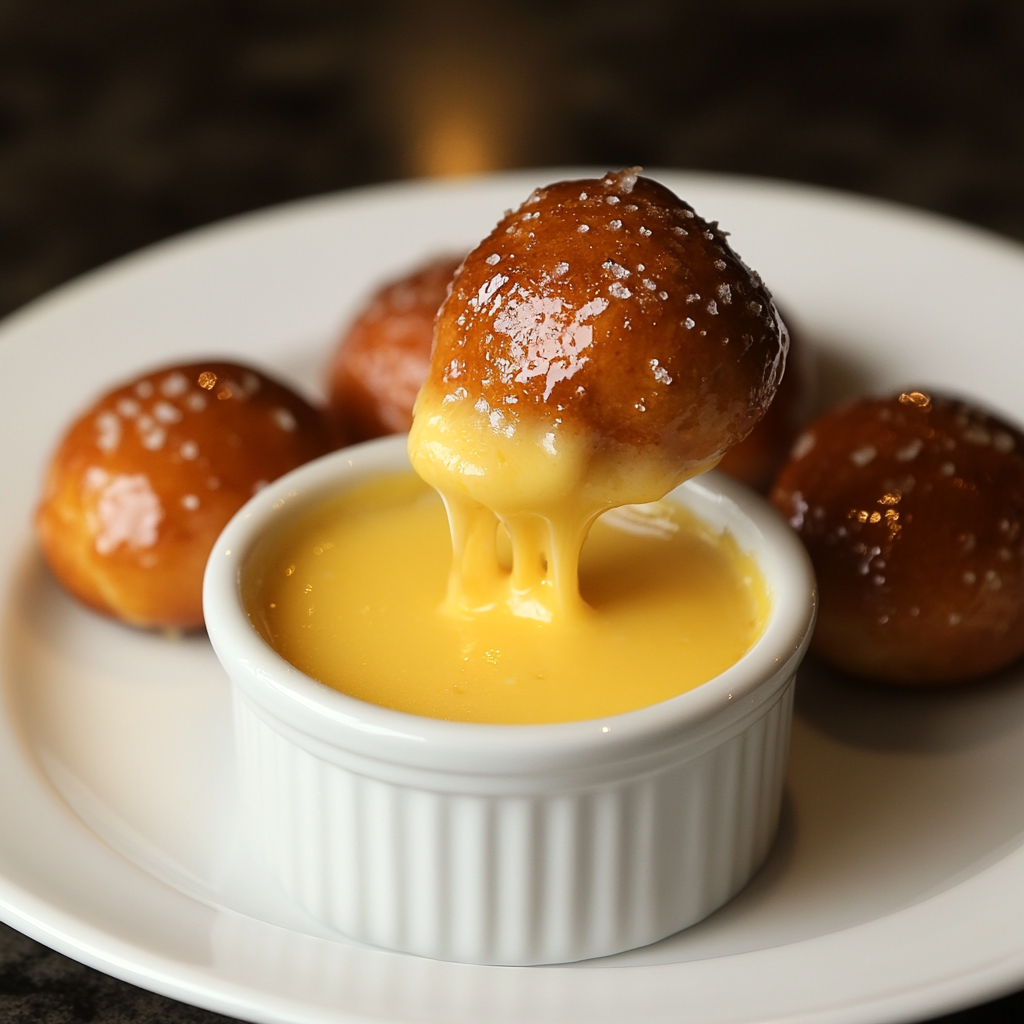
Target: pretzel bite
<point>760,455</point>
<point>382,359</point>
<point>613,330</point>
<point>143,482</point>
<point>912,509</point>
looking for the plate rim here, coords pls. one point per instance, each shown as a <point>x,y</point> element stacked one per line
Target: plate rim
<point>49,923</point>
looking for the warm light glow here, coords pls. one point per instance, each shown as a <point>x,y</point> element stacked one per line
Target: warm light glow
<point>458,104</point>
<point>455,139</point>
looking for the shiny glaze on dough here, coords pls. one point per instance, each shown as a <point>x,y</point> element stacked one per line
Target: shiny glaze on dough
<point>645,329</point>
<point>144,481</point>
<point>912,508</point>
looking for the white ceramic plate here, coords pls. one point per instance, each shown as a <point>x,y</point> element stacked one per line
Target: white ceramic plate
<point>896,889</point>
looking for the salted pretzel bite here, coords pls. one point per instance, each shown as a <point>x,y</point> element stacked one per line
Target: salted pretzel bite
<point>605,324</point>
<point>144,481</point>
<point>912,509</point>
<point>382,359</point>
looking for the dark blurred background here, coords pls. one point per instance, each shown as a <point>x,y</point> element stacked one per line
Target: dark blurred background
<point>125,121</point>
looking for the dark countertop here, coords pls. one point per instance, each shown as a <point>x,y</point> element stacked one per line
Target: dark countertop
<point>123,123</point>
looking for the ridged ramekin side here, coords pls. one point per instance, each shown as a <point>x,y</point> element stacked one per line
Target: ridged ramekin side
<point>525,878</point>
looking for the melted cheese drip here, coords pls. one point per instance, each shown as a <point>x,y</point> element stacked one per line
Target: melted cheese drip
<point>544,482</point>
<point>350,594</point>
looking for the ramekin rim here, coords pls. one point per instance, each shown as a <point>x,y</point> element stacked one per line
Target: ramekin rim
<point>398,736</point>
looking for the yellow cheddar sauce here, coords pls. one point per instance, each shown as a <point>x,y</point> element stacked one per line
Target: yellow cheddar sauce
<point>358,594</point>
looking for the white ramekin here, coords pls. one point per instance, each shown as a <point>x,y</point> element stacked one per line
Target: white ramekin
<point>510,844</point>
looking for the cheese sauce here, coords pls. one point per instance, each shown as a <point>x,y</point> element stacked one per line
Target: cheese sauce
<point>362,594</point>
<point>545,481</point>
